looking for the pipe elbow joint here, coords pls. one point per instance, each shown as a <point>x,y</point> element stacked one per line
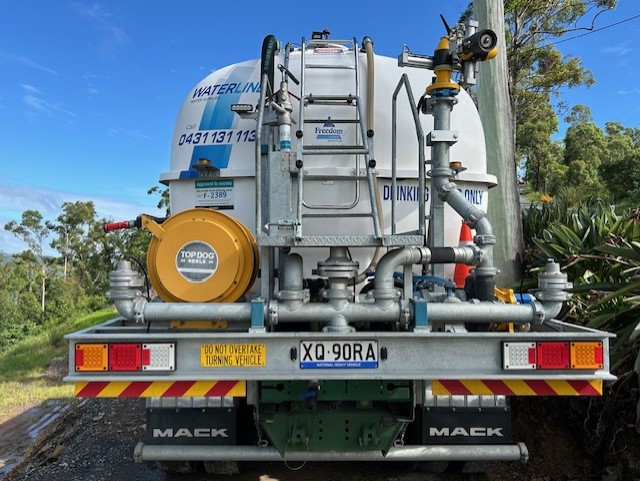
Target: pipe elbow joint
<point>124,307</point>
<point>444,187</point>
<point>132,309</point>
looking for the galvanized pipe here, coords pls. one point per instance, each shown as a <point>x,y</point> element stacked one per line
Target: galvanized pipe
<point>383,280</point>
<point>193,311</point>
<point>506,452</point>
<point>468,312</point>
<point>448,192</point>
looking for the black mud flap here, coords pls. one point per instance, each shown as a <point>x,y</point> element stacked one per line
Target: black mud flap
<point>464,425</point>
<point>191,426</point>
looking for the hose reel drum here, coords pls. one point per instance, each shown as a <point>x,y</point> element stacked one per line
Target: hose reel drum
<point>201,255</point>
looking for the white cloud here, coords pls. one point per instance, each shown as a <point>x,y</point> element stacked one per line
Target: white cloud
<point>37,105</point>
<point>112,36</point>
<point>93,90</point>
<point>20,198</point>
<point>627,92</point>
<point>619,50</point>
<point>30,88</point>
<point>21,59</point>
<point>131,134</point>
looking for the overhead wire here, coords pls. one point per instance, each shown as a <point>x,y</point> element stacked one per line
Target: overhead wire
<point>599,30</point>
<point>595,30</point>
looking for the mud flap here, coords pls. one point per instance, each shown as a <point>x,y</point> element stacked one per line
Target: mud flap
<point>465,425</point>
<point>191,426</point>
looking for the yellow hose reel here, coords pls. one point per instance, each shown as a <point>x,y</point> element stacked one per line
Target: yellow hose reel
<point>201,255</point>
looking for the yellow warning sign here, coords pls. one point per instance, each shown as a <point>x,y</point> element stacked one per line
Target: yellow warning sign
<point>233,355</point>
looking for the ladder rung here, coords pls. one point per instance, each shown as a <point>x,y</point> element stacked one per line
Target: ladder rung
<point>337,67</point>
<point>342,100</point>
<point>336,98</point>
<point>335,121</point>
<point>333,150</point>
<point>308,177</point>
<point>328,43</point>
<point>336,214</point>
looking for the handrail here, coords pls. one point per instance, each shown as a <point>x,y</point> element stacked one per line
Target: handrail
<point>404,80</point>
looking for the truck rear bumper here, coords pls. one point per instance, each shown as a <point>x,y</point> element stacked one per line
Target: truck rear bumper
<point>506,452</point>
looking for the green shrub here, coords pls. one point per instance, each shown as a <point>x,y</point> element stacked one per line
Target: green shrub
<point>600,252</point>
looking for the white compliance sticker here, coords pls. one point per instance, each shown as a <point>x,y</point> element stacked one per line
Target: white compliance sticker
<point>215,193</point>
<point>197,261</point>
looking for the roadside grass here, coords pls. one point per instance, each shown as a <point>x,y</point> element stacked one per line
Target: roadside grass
<point>23,379</point>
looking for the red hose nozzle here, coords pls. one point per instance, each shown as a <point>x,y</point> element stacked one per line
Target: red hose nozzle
<point>125,224</point>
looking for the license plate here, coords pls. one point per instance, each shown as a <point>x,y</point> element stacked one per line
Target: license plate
<point>338,354</point>
<point>233,355</point>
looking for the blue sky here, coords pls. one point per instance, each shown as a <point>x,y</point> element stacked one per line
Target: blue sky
<point>89,92</point>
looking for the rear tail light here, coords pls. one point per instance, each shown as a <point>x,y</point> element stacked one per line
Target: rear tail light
<point>91,357</point>
<point>587,355</point>
<point>158,357</point>
<point>125,357</point>
<point>552,355</point>
<point>519,355</point>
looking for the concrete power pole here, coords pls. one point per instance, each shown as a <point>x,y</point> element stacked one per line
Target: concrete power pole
<point>499,129</point>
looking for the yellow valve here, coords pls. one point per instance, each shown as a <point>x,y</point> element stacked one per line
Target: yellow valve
<point>442,67</point>
<point>492,53</point>
<point>509,297</point>
<point>201,255</point>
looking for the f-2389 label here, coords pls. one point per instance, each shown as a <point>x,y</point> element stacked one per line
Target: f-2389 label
<point>225,136</point>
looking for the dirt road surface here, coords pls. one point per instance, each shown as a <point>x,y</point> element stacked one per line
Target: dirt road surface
<point>94,440</point>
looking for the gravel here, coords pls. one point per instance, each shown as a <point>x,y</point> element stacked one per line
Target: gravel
<point>94,440</point>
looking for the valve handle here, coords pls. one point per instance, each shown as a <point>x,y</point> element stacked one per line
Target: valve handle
<point>125,224</point>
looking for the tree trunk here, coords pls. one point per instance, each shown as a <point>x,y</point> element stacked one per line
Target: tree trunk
<point>494,104</point>
<point>42,296</point>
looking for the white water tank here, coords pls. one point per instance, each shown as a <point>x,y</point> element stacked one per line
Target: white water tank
<point>207,128</point>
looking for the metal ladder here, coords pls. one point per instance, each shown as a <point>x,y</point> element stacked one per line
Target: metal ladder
<point>360,149</point>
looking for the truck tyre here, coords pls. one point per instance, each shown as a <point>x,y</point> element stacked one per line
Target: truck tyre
<point>222,467</point>
<point>177,467</point>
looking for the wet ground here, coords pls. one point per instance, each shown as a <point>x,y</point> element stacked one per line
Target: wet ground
<point>93,440</point>
<point>19,431</point>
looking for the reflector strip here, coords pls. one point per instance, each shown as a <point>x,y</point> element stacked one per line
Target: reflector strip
<point>530,387</point>
<point>118,389</point>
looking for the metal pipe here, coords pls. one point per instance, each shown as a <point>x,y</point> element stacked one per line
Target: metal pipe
<point>485,312</point>
<point>259,227</point>
<point>141,311</point>
<point>468,312</point>
<point>292,276</point>
<point>325,312</point>
<point>383,280</point>
<point>367,43</point>
<point>440,172</point>
<point>485,239</point>
<point>448,192</point>
<point>258,152</point>
<point>386,311</point>
<point>506,452</point>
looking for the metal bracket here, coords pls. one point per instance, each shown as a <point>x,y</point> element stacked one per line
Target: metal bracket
<point>420,314</point>
<point>448,136</point>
